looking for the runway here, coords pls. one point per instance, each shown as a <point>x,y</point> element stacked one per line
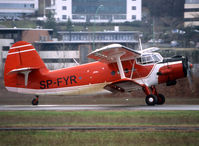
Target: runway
<point>96,107</point>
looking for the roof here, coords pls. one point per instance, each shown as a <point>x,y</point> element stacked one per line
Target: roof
<point>103,32</point>
<point>23,29</point>
<point>82,42</point>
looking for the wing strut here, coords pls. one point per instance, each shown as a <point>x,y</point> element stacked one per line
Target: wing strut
<point>132,70</point>
<point>119,64</point>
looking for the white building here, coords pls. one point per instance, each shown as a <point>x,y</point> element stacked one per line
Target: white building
<point>12,9</point>
<point>97,10</point>
<point>191,14</point>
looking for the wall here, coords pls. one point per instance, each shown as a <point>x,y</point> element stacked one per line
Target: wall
<point>35,35</point>
<point>3,42</point>
<point>137,12</point>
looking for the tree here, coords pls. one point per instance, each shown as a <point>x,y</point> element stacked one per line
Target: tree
<point>69,25</point>
<point>50,23</point>
<point>191,34</point>
<point>170,8</point>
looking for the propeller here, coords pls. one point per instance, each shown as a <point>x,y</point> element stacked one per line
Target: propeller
<point>190,74</point>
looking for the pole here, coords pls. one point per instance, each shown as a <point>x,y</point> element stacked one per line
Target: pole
<point>153,31</point>
<point>44,10</point>
<point>94,25</point>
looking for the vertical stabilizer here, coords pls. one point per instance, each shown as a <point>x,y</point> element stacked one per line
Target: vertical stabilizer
<point>21,60</point>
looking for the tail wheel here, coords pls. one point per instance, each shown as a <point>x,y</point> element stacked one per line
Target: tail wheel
<point>35,101</point>
<point>161,99</point>
<point>151,99</point>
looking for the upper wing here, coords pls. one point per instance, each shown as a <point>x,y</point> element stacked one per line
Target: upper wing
<point>149,50</point>
<point>108,54</point>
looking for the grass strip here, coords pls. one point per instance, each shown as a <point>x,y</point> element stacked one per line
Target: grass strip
<point>97,138</point>
<point>98,118</point>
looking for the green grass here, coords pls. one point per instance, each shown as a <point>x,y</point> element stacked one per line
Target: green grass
<point>99,118</point>
<point>19,24</point>
<point>97,138</point>
<point>94,27</point>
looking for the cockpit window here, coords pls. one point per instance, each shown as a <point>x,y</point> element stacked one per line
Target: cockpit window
<point>149,58</point>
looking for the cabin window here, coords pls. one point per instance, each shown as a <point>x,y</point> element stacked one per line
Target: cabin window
<point>149,58</point>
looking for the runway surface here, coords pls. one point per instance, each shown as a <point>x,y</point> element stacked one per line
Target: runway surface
<point>95,107</point>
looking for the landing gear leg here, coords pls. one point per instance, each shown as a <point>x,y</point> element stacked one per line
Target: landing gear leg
<point>35,100</point>
<point>161,98</point>
<point>153,97</point>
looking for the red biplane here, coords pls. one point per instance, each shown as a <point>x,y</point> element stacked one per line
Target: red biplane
<point>117,69</point>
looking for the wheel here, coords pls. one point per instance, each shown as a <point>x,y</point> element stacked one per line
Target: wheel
<point>151,99</point>
<point>35,101</point>
<point>161,99</point>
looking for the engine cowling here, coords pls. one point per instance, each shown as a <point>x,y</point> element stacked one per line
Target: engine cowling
<point>174,68</point>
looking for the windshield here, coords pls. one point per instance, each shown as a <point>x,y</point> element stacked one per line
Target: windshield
<point>149,58</point>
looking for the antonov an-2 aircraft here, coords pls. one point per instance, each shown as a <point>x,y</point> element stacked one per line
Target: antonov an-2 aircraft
<point>117,69</point>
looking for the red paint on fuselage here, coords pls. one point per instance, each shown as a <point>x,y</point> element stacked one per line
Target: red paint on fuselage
<point>172,72</point>
<point>91,73</point>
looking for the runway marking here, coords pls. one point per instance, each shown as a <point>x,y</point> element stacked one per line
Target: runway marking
<point>97,107</point>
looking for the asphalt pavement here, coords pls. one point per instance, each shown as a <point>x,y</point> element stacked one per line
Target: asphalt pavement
<point>96,107</point>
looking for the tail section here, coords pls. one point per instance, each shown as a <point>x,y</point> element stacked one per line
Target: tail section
<point>22,59</point>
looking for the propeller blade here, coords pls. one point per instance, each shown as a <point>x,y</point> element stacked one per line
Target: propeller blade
<point>190,76</point>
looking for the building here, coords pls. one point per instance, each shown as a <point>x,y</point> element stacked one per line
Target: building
<point>116,11</point>
<point>191,14</point>
<point>75,46</point>
<point>15,9</point>
<point>8,36</point>
<point>100,36</point>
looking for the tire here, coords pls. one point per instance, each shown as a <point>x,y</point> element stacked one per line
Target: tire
<point>151,99</point>
<point>161,99</point>
<point>35,101</point>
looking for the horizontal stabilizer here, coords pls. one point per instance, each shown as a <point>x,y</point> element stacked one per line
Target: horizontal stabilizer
<point>20,70</point>
<point>24,71</point>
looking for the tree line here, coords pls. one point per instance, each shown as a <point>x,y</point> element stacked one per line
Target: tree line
<point>163,8</point>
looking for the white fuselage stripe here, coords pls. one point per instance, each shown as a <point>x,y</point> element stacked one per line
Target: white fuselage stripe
<point>21,51</point>
<point>75,90</point>
<point>20,46</point>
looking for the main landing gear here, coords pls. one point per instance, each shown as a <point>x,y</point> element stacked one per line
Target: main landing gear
<point>153,97</point>
<point>35,100</point>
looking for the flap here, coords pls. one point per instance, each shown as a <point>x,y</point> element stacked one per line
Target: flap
<point>123,85</point>
<point>109,53</point>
